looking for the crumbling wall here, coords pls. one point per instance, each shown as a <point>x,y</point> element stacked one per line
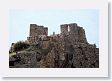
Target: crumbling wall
<point>35,32</point>
<point>64,29</point>
<point>69,49</point>
<point>75,33</point>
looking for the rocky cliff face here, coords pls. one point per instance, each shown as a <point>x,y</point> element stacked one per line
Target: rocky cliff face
<point>69,49</point>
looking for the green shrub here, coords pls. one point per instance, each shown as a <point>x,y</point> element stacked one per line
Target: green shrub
<point>20,46</point>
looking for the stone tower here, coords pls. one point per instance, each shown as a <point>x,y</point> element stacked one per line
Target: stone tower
<point>74,31</point>
<point>69,49</point>
<point>64,29</point>
<point>35,32</point>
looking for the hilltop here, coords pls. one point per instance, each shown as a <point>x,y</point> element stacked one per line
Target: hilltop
<point>69,49</point>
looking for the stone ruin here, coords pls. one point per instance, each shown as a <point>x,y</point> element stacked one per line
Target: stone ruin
<point>69,49</point>
<point>35,32</point>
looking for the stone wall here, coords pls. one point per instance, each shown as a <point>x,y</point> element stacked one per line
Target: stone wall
<point>35,32</point>
<point>64,29</point>
<point>69,49</point>
<point>76,33</point>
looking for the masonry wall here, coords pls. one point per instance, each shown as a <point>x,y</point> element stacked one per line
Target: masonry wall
<point>66,50</point>
<point>76,33</point>
<point>35,32</point>
<point>64,29</point>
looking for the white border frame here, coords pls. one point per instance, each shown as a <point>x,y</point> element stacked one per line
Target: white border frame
<point>102,71</point>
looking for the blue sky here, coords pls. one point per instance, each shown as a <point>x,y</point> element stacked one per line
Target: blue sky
<point>20,20</point>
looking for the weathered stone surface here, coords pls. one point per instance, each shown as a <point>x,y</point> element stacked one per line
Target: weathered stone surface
<point>35,32</point>
<point>69,49</point>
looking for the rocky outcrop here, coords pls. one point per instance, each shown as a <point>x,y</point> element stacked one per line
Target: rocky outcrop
<point>69,49</point>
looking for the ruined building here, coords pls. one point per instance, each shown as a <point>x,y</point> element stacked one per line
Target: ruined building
<point>69,49</point>
<point>36,31</point>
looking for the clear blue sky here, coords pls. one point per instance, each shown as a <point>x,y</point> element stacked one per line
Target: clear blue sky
<point>20,20</point>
